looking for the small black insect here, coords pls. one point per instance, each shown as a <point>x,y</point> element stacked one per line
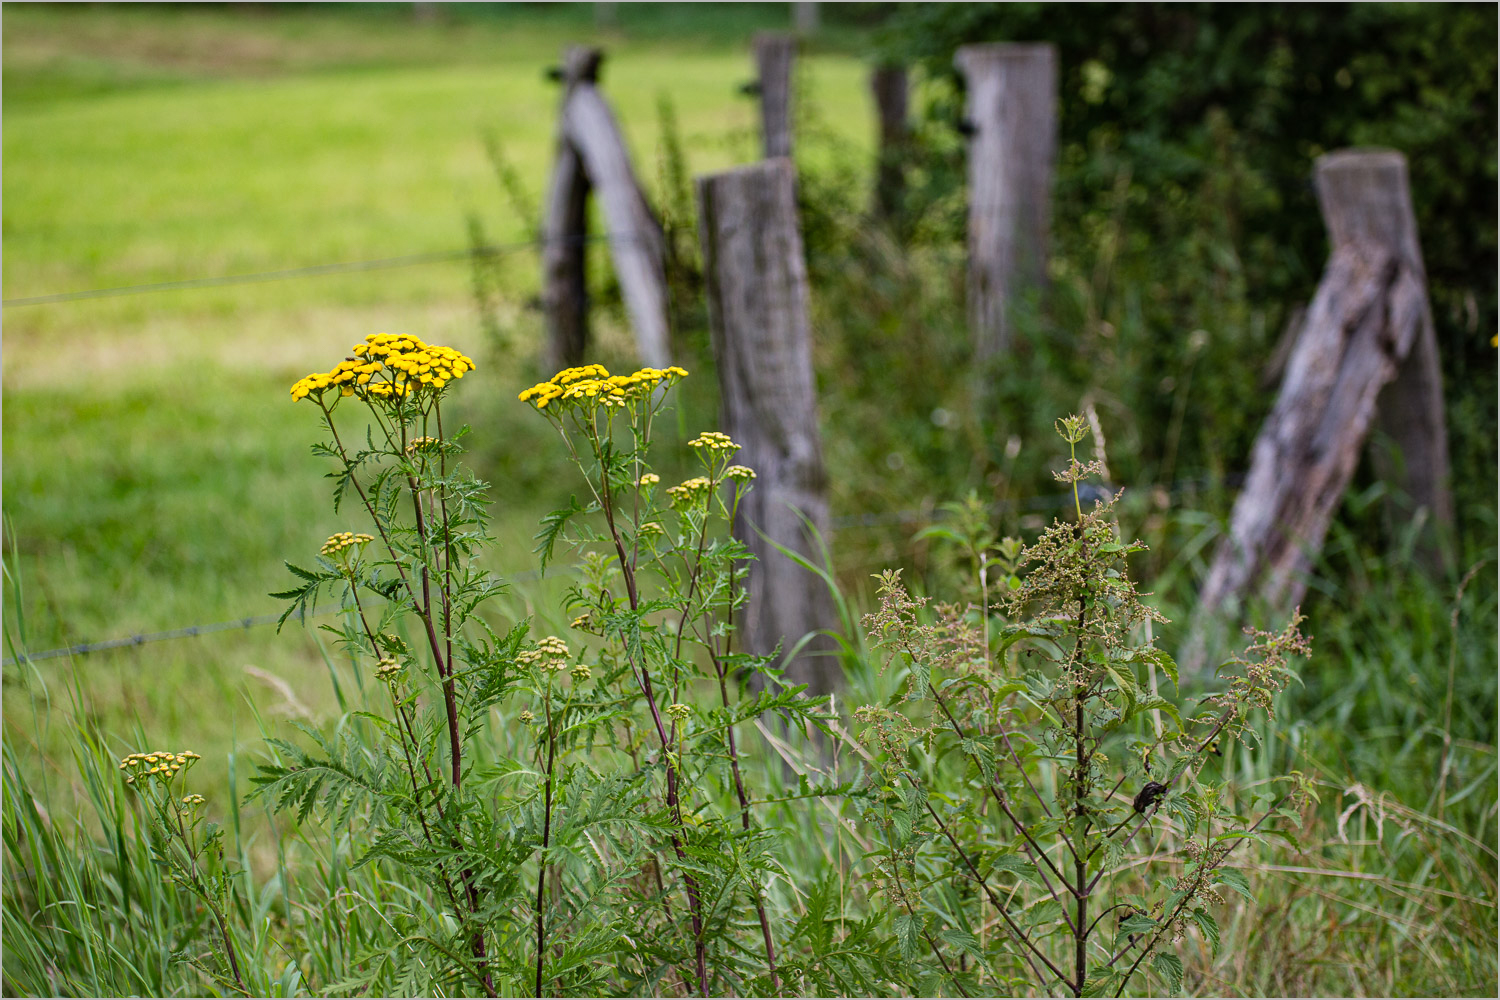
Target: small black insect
<point>1149,796</point>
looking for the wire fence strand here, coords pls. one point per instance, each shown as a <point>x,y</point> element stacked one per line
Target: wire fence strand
<point>1088,493</point>
<point>315,270</point>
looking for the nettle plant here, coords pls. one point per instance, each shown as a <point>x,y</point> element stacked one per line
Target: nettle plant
<point>571,813</point>
<point>1052,822</point>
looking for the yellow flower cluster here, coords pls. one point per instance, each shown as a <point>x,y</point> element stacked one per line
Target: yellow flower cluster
<point>388,669</point>
<point>714,441</point>
<point>420,444</point>
<point>688,493</point>
<point>581,673</point>
<point>162,765</point>
<point>550,653</point>
<point>407,364</point>
<point>649,479</point>
<point>594,382</point>
<point>679,711</point>
<point>739,473</point>
<point>343,540</point>
<point>192,800</point>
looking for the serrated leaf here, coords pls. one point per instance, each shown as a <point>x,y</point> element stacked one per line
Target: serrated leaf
<point>963,941</point>
<point>1162,659</point>
<point>1160,704</point>
<point>1210,928</point>
<point>1016,865</point>
<point>1137,923</point>
<point>1100,983</point>
<point>1169,967</point>
<point>1236,880</point>
<point>909,935</point>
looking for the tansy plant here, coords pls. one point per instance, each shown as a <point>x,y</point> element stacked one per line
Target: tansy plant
<point>603,841</point>
<point>1052,821</point>
<point>661,592</point>
<point>410,594</point>
<point>186,846</point>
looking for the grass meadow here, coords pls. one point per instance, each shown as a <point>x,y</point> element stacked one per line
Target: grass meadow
<point>156,474</point>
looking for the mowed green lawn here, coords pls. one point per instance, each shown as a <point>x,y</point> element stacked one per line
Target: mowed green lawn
<point>156,473</point>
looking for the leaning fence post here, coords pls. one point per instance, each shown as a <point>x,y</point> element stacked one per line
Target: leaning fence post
<point>774,55</point>
<point>756,281</point>
<point>888,83</point>
<point>1368,329</point>
<point>564,229</point>
<point>1012,115</point>
<point>1369,197</point>
<point>591,148</point>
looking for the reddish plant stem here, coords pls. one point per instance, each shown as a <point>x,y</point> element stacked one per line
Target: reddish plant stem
<point>739,782</point>
<point>541,875</point>
<point>695,904</point>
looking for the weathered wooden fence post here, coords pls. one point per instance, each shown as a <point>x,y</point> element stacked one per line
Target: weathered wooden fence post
<point>888,83</point>
<point>1367,342</point>
<point>805,19</point>
<point>591,155</point>
<point>756,281</point>
<point>1012,112</point>
<point>564,228</point>
<point>774,55</point>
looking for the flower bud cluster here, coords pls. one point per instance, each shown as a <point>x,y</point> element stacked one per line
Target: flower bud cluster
<point>550,653</point>
<point>689,493</point>
<point>343,540</point>
<point>714,441</point>
<point>158,765</point>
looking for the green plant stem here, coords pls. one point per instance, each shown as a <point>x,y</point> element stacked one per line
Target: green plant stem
<point>739,786</point>
<point>450,704</point>
<point>202,885</point>
<point>1080,791</point>
<point>999,799</point>
<point>1080,926</point>
<point>896,874</point>
<point>541,874</point>
<point>695,905</point>
<point>999,907</point>
<point>404,726</point>
<point>1182,904</point>
<point>424,612</point>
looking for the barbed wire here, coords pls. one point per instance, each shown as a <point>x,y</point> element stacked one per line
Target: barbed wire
<point>316,270</point>
<point>193,631</point>
<point>1087,492</point>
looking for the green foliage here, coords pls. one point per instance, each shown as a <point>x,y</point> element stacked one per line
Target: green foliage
<point>1188,134</point>
<point>1054,718</point>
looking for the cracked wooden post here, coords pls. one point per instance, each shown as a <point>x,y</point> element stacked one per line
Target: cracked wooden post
<point>888,84</point>
<point>564,230</point>
<point>592,156</point>
<point>756,280</point>
<point>1012,119</point>
<point>1367,347</point>
<point>774,56</point>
